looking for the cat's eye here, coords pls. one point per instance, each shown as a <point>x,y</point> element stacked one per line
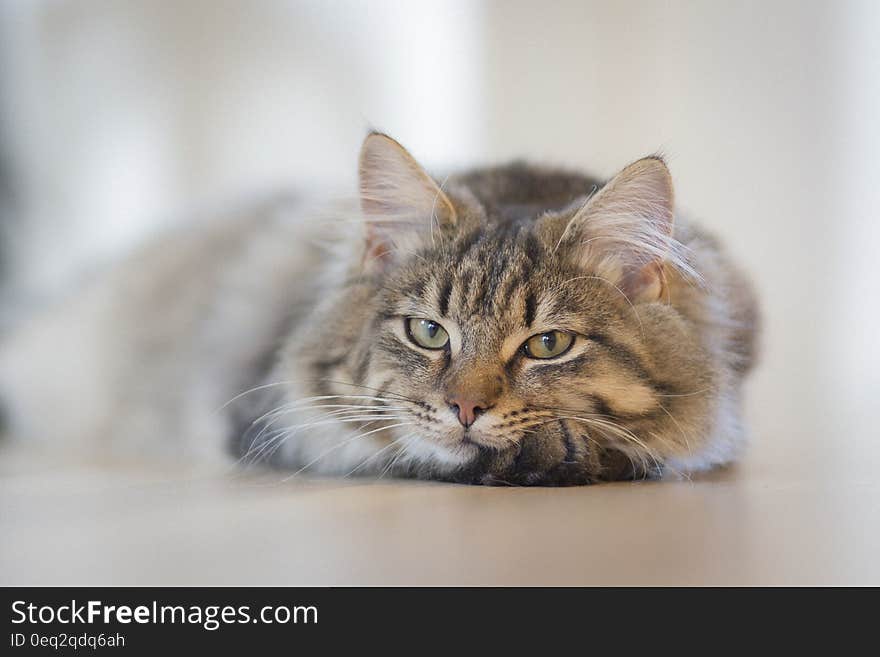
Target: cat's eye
<point>426,333</point>
<point>548,345</point>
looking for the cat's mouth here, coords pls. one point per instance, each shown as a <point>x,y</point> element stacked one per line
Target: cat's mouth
<point>452,447</point>
<point>484,440</point>
<point>467,439</point>
<point>477,441</point>
<point>456,445</point>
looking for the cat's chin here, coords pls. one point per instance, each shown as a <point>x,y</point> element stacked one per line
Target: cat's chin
<point>430,452</point>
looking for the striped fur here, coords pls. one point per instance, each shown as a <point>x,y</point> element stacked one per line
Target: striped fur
<point>297,334</point>
<point>652,383</point>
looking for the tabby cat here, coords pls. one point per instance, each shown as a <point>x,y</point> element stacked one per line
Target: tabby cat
<point>512,325</point>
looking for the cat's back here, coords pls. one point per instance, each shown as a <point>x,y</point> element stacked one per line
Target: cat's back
<point>520,191</point>
<point>191,316</point>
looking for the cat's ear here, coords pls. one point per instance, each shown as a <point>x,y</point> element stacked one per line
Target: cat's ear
<point>401,203</point>
<point>624,231</point>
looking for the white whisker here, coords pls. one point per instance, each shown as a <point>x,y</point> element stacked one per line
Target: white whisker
<point>343,444</point>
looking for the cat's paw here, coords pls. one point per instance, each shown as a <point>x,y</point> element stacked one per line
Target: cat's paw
<point>555,456</point>
<point>552,456</point>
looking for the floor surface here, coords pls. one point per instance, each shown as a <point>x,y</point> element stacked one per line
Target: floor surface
<point>95,524</point>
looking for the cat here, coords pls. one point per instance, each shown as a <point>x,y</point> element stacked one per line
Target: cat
<point>508,325</point>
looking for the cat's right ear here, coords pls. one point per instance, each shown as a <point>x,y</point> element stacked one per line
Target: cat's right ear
<point>401,203</point>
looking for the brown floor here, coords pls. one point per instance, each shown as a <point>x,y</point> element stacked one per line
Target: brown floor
<point>749,525</point>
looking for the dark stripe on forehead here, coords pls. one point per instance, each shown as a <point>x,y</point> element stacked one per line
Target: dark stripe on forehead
<point>498,264</point>
<point>415,288</point>
<point>462,288</point>
<point>445,292</point>
<point>503,293</point>
<point>477,294</point>
<point>531,309</point>
<point>494,263</point>
<point>515,280</point>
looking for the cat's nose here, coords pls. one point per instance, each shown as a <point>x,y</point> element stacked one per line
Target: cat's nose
<point>467,410</point>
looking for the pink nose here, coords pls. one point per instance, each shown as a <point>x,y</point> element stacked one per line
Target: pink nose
<point>467,410</point>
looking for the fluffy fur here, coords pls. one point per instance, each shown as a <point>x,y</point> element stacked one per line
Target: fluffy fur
<point>281,336</point>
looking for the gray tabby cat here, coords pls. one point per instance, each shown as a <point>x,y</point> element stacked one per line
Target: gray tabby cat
<point>515,325</point>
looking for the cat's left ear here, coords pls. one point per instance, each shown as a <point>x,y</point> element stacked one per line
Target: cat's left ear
<point>401,203</point>
<point>624,231</point>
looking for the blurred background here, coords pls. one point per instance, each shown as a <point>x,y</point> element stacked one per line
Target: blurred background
<point>120,118</point>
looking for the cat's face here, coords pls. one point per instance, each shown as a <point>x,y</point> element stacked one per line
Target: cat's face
<point>495,338</point>
<point>523,344</point>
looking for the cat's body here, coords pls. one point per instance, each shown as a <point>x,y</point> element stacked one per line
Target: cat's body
<point>316,330</point>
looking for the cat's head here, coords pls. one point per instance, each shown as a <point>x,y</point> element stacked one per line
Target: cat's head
<point>503,332</point>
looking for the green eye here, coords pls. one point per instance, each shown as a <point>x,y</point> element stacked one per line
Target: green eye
<point>426,333</point>
<point>548,345</point>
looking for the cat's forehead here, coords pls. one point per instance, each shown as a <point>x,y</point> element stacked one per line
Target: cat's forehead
<point>497,277</point>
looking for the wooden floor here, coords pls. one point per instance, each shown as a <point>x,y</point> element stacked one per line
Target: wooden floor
<point>757,524</point>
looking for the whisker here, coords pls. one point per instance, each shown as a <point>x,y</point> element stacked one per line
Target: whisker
<point>289,408</point>
<point>343,444</point>
<point>685,394</point>
<point>621,432</point>
<point>680,428</point>
<point>397,396</point>
<point>372,417</point>
<point>373,456</point>
<point>252,390</point>
<point>404,451</point>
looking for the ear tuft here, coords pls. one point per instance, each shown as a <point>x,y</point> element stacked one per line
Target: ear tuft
<point>624,231</point>
<point>401,203</point>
